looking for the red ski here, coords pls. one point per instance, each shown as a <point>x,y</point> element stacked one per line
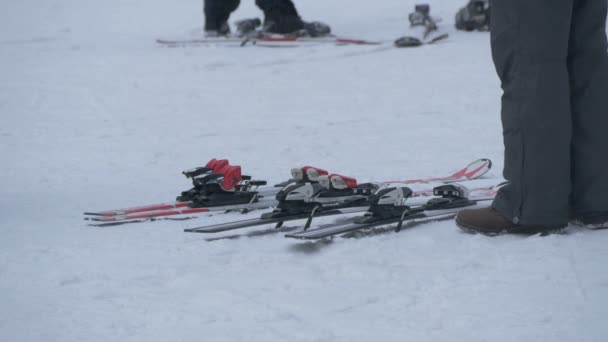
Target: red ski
<point>266,39</point>
<point>151,207</point>
<point>261,204</point>
<point>472,171</point>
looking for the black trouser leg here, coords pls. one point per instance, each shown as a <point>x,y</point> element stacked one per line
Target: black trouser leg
<point>588,66</point>
<point>217,13</point>
<point>280,16</point>
<point>530,50</point>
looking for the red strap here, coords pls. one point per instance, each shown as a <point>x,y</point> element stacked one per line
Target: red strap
<point>232,177</point>
<point>220,165</point>
<point>211,163</point>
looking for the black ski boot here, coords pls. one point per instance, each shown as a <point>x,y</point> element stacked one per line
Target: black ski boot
<point>317,29</point>
<point>474,16</point>
<point>422,17</point>
<point>280,16</point>
<point>423,28</point>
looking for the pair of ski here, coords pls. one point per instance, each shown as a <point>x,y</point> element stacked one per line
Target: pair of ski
<point>262,199</point>
<point>273,41</point>
<point>218,186</point>
<point>382,202</point>
<point>266,41</point>
<point>449,201</point>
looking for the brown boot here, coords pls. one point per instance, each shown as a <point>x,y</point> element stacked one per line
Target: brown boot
<point>489,222</point>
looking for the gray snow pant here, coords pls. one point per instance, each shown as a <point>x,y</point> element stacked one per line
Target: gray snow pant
<point>551,57</point>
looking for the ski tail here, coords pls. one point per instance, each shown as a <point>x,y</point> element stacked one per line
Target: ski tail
<point>133,210</point>
<point>261,204</point>
<point>148,214</point>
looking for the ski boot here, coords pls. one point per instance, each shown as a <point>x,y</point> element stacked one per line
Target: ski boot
<point>474,16</point>
<point>423,28</point>
<point>316,29</point>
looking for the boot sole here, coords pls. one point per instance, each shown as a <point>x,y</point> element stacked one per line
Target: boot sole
<point>592,226</point>
<point>472,230</point>
<point>522,231</point>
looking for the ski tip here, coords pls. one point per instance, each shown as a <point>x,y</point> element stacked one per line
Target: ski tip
<point>475,170</point>
<point>482,161</point>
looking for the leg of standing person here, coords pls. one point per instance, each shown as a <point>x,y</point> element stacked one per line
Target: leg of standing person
<point>588,66</point>
<point>217,13</point>
<point>530,51</point>
<point>280,16</point>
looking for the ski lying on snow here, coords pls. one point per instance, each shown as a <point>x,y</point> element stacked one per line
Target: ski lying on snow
<point>262,40</point>
<point>217,184</point>
<point>149,219</point>
<point>406,41</point>
<point>150,207</point>
<point>261,204</point>
<point>472,171</point>
<point>416,214</point>
<point>278,220</point>
<point>452,200</point>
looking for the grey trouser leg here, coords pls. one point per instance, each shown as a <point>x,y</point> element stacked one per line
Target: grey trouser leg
<point>588,65</point>
<point>552,59</point>
<point>530,51</point>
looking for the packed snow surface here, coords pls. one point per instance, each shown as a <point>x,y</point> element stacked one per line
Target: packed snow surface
<point>95,115</point>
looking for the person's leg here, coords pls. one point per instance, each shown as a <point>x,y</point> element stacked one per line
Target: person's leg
<point>588,65</point>
<point>530,49</point>
<point>217,13</point>
<point>280,16</point>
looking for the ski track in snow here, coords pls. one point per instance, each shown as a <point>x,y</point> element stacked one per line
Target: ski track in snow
<point>96,116</point>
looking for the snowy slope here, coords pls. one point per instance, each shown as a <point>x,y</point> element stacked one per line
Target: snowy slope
<point>94,116</point>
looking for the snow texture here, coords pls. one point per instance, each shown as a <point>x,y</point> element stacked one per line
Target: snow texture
<point>95,115</point>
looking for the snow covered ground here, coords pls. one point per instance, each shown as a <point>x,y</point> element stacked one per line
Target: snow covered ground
<point>94,115</point>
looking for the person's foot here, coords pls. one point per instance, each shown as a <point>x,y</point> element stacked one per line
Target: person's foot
<point>317,29</point>
<point>282,24</point>
<point>474,16</point>
<point>593,221</point>
<point>488,221</point>
<point>422,16</point>
<point>222,29</point>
